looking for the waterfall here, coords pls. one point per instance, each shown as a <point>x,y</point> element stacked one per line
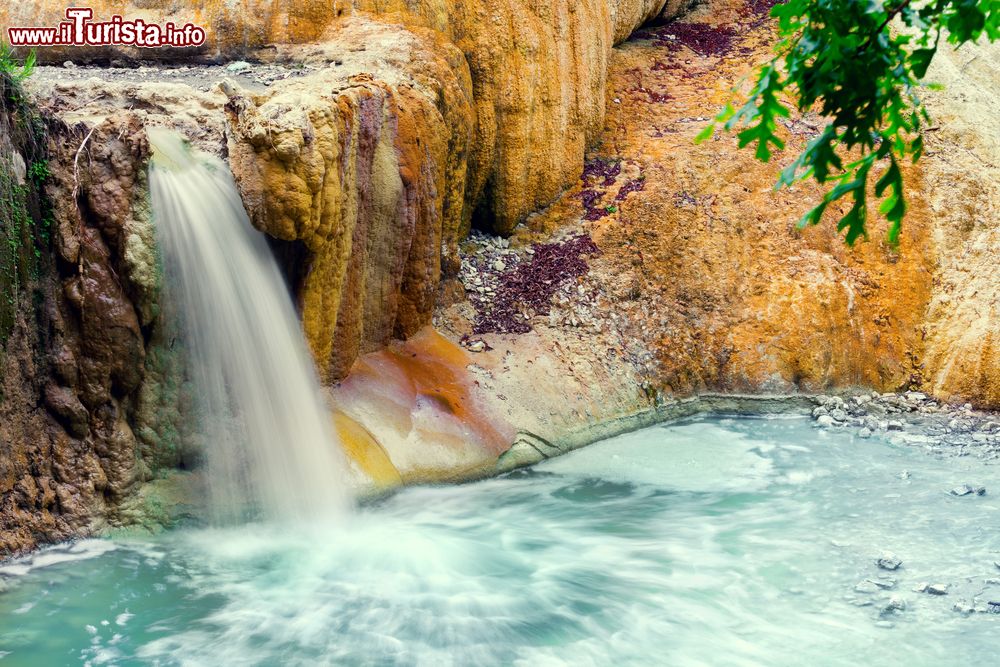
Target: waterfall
<point>270,447</point>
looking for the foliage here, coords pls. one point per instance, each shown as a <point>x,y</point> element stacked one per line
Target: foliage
<point>25,215</point>
<point>841,58</point>
<point>11,69</point>
<point>39,171</point>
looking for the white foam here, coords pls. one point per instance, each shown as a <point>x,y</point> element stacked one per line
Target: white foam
<point>61,553</point>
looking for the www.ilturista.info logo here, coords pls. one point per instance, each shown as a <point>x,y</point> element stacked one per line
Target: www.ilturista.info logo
<point>79,30</point>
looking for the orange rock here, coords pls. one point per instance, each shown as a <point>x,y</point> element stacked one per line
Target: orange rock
<point>420,403</point>
<point>362,448</point>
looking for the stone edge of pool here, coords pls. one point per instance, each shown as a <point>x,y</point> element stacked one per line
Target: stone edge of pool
<point>171,500</point>
<point>529,449</point>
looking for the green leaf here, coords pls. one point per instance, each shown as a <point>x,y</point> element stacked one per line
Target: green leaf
<point>842,59</point>
<point>920,60</point>
<point>705,134</point>
<point>814,215</point>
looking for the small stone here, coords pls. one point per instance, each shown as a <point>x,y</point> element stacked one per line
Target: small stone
<point>894,604</point>
<point>963,607</point>
<point>916,396</point>
<point>905,474</point>
<point>966,490</point>
<point>894,425</point>
<point>867,586</point>
<point>476,346</point>
<point>931,589</point>
<point>819,412</point>
<point>499,265</point>
<point>838,414</point>
<point>889,561</point>
<point>69,64</point>
<point>238,66</point>
<point>825,421</point>
<point>865,432</point>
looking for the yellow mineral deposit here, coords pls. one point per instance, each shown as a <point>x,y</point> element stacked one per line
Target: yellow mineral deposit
<point>415,408</point>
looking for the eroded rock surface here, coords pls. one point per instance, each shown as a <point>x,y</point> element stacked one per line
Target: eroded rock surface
<point>369,154</point>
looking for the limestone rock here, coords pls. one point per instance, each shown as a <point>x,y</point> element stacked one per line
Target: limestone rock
<point>367,175</point>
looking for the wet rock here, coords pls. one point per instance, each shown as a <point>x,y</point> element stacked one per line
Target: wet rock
<point>865,432</point>
<point>916,438</point>
<point>839,414</point>
<point>826,421</point>
<point>964,607</point>
<point>894,425</point>
<point>966,490</point>
<point>867,586</point>
<point>19,167</point>
<point>874,585</point>
<point>932,589</point>
<point>894,605</point>
<point>67,408</point>
<point>889,561</point>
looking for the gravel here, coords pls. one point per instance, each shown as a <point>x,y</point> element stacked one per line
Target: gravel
<point>914,419</point>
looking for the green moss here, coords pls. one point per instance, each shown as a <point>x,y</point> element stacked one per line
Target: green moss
<point>166,415</point>
<point>25,215</point>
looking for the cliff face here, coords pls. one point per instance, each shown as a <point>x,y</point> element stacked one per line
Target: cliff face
<point>73,360</point>
<point>366,176</point>
<point>962,187</point>
<point>538,70</point>
<point>365,156</point>
<point>368,156</point>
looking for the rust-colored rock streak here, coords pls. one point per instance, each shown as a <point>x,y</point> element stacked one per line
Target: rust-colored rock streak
<point>419,402</point>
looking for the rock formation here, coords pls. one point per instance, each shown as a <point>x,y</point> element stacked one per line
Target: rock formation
<point>368,139</point>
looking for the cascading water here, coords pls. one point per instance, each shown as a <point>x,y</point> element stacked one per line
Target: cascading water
<point>269,440</point>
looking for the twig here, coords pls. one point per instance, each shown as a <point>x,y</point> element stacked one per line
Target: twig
<point>893,13</point>
<point>76,163</point>
<point>76,198</point>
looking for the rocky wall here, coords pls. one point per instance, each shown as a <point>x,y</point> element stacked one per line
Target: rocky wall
<point>368,155</point>
<point>73,361</point>
<point>538,70</point>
